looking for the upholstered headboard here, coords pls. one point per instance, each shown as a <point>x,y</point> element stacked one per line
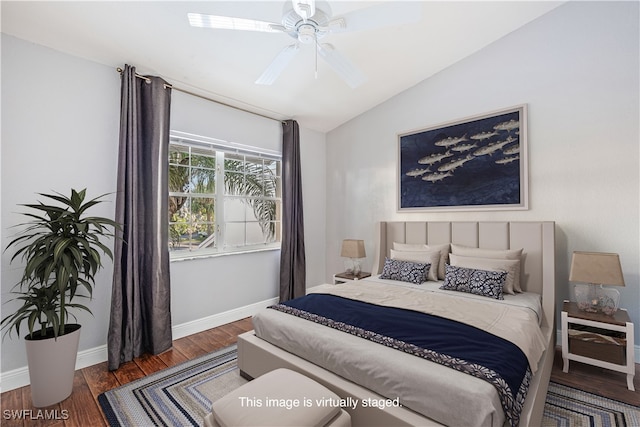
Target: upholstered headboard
<point>536,238</point>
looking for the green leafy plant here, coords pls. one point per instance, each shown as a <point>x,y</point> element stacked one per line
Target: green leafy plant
<point>61,248</point>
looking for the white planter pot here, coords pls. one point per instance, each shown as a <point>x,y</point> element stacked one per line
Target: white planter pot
<point>52,365</point>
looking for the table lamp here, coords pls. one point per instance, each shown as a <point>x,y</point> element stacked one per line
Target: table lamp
<point>354,250</point>
<point>596,268</point>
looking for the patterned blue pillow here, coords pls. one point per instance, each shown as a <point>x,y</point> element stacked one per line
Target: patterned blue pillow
<point>473,281</point>
<point>405,271</point>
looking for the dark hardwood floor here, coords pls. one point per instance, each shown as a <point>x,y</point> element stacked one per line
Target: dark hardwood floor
<point>81,409</point>
<point>597,380</point>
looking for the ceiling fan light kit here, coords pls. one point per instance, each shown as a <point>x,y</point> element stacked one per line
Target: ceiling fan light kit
<point>309,21</point>
<point>306,34</point>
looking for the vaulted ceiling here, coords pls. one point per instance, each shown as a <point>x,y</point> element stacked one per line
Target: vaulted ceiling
<point>155,36</point>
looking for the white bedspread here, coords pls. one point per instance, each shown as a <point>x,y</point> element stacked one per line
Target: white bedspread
<point>504,320</point>
<point>529,300</point>
<point>440,393</point>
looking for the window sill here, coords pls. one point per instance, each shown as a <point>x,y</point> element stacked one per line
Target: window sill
<point>191,256</point>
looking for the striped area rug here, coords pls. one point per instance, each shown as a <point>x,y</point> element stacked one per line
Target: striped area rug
<point>567,406</point>
<point>178,396</point>
<point>182,396</point>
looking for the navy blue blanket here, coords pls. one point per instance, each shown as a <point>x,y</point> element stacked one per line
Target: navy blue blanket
<point>447,342</point>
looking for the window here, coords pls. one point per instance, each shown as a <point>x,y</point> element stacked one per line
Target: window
<point>223,197</point>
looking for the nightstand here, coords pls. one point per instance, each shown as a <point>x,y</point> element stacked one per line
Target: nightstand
<point>349,277</point>
<point>598,339</point>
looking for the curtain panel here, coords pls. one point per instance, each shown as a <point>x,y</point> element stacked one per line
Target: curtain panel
<point>140,303</point>
<point>292,254</point>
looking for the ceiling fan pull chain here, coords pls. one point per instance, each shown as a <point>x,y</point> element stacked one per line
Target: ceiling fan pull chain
<point>316,39</point>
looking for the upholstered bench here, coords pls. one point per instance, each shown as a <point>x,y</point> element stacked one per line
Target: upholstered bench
<point>279,398</point>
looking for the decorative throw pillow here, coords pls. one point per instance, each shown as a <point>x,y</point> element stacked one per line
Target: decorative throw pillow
<point>478,282</point>
<point>495,254</point>
<point>405,271</point>
<point>511,266</point>
<point>422,257</point>
<point>443,249</point>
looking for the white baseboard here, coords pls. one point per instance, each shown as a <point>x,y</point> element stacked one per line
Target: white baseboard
<point>20,377</point>
<point>195,326</point>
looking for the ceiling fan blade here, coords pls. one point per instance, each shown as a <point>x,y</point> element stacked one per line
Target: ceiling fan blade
<point>230,23</point>
<point>341,65</point>
<point>278,65</point>
<point>377,16</point>
<point>304,8</point>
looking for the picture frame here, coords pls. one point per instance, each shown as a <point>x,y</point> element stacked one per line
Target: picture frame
<point>474,163</point>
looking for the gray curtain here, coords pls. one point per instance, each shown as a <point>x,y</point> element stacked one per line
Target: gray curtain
<point>140,300</point>
<point>292,255</point>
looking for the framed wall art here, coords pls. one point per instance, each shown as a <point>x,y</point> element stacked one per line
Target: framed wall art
<point>476,163</point>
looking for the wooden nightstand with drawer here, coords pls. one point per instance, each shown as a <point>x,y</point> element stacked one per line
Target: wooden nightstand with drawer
<point>598,339</point>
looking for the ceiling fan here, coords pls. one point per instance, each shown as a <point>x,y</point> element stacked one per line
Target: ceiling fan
<point>309,21</point>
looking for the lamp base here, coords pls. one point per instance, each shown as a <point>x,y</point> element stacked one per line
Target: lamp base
<point>348,266</point>
<point>596,299</point>
<point>357,267</point>
<point>352,266</point>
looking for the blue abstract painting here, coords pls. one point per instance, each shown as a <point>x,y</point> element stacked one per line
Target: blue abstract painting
<point>473,163</point>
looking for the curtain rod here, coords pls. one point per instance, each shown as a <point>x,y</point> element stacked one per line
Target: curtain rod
<point>167,85</point>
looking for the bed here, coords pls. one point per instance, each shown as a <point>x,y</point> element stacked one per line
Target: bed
<point>400,388</point>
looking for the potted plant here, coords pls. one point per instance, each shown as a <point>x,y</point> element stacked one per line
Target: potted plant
<point>61,248</point>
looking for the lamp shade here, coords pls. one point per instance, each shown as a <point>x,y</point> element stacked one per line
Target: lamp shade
<point>597,268</point>
<point>353,249</point>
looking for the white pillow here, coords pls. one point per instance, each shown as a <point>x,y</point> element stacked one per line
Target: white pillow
<point>410,246</point>
<point>486,253</point>
<point>494,254</point>
<point>511,266</point>
<point>422,257</point>
<point>443,249</point>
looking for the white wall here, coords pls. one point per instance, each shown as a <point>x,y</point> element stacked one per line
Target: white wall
<point>577,69</point>
<point>60,120</point>
<point>313,163</point>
